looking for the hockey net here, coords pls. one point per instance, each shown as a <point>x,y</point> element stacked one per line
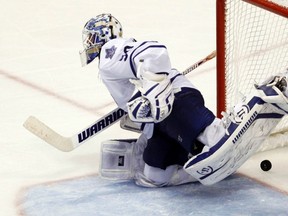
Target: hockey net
<point>252,43</point>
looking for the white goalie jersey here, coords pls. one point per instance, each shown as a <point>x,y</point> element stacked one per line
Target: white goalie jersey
<point>120,59</point>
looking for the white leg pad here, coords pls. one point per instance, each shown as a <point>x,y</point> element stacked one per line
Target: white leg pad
<point>253,123</point>
<point>116,159</point>
<point>122,159</point>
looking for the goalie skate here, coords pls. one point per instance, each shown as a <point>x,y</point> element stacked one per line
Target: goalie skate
<point>246,128</point>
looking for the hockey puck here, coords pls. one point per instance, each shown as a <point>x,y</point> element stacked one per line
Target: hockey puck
<point>266,165</point>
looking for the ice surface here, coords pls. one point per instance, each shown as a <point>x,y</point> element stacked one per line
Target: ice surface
<point>91,196</point>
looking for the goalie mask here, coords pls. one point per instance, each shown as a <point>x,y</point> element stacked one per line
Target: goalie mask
<point>97,31</point>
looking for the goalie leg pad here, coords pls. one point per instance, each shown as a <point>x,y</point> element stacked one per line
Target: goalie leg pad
<point>116,159</point>
<point>122,159</point>
<point>274,96</point>
<point>275,91</point>
<point>250,125</point>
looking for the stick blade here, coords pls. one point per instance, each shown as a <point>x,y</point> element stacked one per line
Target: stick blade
<point>45,133</point>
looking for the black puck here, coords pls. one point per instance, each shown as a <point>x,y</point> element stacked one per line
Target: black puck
<point>266,165</point>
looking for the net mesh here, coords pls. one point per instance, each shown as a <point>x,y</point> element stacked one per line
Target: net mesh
<point>256,46</point>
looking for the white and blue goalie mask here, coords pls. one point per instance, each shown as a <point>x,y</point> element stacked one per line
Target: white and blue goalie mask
<point>97,31</point>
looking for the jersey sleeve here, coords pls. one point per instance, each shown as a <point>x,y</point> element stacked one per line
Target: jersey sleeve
<point>154,56</point>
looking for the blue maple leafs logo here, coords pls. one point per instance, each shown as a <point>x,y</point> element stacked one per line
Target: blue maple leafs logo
<point>110,52</point>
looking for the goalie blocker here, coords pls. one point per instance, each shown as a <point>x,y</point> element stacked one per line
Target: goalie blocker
<point>247,126</point>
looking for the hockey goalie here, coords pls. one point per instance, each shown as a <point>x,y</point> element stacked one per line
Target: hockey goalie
<point>225,144</point>
<point>181,140</point>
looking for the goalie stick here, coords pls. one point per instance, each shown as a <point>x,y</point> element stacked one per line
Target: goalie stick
<point>67,144</point>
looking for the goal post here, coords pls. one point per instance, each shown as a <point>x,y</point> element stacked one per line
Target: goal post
<point>272,6</point>
<point>252,43</point>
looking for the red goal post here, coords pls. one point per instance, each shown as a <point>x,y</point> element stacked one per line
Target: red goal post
<point>270,6</point>
<point>252,43</point>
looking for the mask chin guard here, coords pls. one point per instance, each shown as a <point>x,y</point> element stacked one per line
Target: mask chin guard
<point>88,55</point>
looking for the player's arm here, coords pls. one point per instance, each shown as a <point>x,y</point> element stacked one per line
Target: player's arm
<point>154,101</point>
